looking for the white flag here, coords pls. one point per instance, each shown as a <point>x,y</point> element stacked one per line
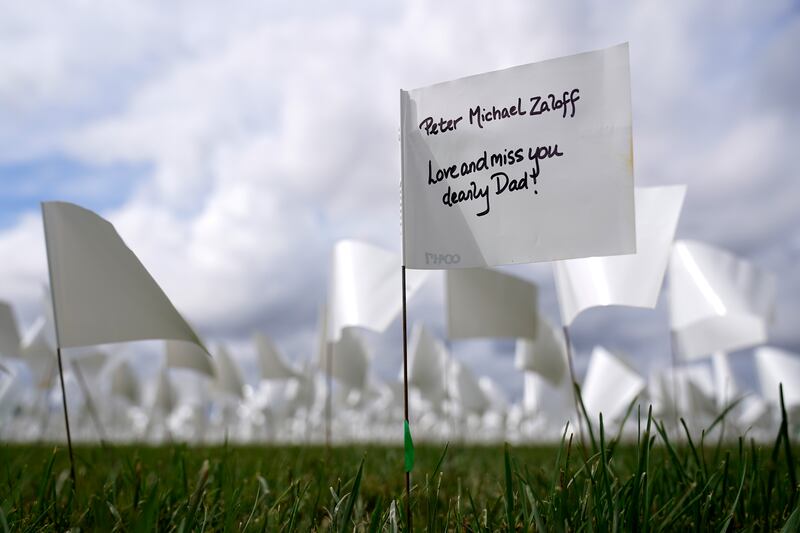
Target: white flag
<point>724,379</point>
<point>776,366</point>
<point>228,380</point>
<point>427,364</point>
<point>90,364</point>
<point>165,398</point>
<point>489,303</point>
<point>634,280</point>
<point>466,390</point>
<point>610,386</point>
<point>39,355</point>
<point>9,332</point>
<point>531,163</point>
<point>349,360</point>
<point>554,402</point>
<point>498,401</point>
<point>101,292</point>
<point>718,302</point>
<point>546,355</point>
<point>687,388</point>
<point>180,354</point>
<point>365,287</point>
<point>270,361</point>
<point>124,383</point>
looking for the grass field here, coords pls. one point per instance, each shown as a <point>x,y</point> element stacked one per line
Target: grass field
<point>649,485</point>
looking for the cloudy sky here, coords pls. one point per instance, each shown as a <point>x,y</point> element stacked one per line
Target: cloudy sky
<point>233,144</point>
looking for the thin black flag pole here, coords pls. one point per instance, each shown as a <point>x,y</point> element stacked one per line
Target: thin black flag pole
<point>58,354</point>
<point>405,393</point>
<point>66,420</point>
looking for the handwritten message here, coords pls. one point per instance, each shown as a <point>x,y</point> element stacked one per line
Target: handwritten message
<point>526,164</point>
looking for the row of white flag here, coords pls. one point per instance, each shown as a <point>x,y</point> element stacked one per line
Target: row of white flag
<point>102,294</point>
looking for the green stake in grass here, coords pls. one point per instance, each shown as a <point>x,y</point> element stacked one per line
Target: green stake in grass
<point>409,447</point>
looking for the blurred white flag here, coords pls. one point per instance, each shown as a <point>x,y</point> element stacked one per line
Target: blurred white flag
<point>39,355</point>
<point>554,402</point>
<point>488,303</point>
<point>610,386</point>
<point>165,398</point>
<point>546,355</point>
<point>365,287</point>
<point>634,280</point>
<point>124,383</point>
<point>776,366</point>
<point>724,380</point>
<point>530,163</point>
<point>426,366</point>
<point>9,332</point>
<point>181,354</point>
<point>349,360</point>
<point>101,292</point>
<point>718,302</point>
<point>466,390</point>
<point>270,361</point>
<point>684,389</point>
<point>90,364</point>
<point>228,379</point>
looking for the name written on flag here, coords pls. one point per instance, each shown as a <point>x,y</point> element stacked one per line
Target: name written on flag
<point>531,163</point>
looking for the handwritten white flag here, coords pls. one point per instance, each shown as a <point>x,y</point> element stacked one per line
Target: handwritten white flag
<point>101,292</point>
<point>531,163</point>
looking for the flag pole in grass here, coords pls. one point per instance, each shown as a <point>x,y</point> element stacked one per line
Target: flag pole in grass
<point>101,293</point>
<point>58,357</point>
<point>66,421</point>
<point>569,193</point>
<point>407,443</point>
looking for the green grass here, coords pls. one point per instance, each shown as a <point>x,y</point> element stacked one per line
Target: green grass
<point>650,485</point>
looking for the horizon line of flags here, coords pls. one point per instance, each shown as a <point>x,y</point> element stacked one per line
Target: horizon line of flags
<point>718,303</point>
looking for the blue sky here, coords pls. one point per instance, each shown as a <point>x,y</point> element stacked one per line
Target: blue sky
<point>232,147</point>
<point>53,176</point>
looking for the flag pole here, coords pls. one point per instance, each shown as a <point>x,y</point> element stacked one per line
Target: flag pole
<point>568,343</point>
<point>405,394</point>
<point>58,353</point>
<point>66,418</point>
